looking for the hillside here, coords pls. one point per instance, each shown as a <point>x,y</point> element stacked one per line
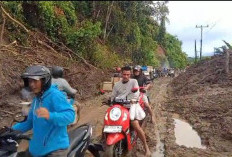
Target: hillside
<point>106,34</point>
<point>88,39</point>
<point>14,59</point>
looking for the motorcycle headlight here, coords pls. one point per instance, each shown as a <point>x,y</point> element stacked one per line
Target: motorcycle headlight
<point>115,114</point>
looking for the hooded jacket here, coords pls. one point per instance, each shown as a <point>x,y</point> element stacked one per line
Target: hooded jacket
<point>48,135</point>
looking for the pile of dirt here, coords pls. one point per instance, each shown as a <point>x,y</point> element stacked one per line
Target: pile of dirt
<point>204,75</point>
<point>202,96</point>
<point>14,59</point>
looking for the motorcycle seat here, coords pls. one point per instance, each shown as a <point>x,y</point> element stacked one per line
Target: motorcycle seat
<point>76,136</point>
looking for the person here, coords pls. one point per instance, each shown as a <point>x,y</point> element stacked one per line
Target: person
<point>48,117</point>
<point>63,85</point>
<point>142,79</point>
<point>143,101</point>
<point>122,90</point>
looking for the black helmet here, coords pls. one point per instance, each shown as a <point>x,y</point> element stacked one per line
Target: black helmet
<point>57,72</point>
<point>37,72</point>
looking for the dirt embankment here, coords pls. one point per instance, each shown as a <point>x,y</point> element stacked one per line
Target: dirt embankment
<point>202,96</point>
<point>15,58</point>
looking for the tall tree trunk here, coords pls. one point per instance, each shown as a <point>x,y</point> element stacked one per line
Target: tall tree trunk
<point>98,13</point>
<point>107,19</point>
<point>109,32</point>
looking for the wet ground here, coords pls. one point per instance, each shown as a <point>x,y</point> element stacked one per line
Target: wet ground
<point>185,135</point>
<point>172,135</point>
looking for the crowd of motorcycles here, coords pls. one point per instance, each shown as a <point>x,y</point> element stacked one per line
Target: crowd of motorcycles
<point>118,137</point>
<point>164,73</point>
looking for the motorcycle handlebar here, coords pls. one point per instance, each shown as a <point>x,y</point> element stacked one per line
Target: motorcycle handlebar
<point>24,137</point>
<point>120,101</point>
<point>9,133</point>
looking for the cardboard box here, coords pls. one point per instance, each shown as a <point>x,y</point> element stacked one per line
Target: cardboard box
<point>115,79</point>
<point>107,86</point>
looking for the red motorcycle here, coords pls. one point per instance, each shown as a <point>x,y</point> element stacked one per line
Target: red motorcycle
<point>119,136</point>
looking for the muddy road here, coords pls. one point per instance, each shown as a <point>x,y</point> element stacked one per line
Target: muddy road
<point>171,135</point>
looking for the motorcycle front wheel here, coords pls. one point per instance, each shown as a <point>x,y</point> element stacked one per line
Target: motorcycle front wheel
<point>114,150</point>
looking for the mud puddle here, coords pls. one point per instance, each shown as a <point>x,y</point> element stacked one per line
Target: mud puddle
<point>186,135</point>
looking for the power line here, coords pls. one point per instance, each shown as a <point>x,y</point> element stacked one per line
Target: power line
<point>201,38</point>
<point>213,25</point>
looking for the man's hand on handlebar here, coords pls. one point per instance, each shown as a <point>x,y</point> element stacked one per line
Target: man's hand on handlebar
<point>14,134</point>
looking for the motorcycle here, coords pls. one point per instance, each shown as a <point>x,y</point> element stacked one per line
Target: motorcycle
<point>80,141</point>
<point>119,136</point>
<point>171,73</point>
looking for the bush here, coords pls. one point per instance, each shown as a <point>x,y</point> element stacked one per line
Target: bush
<point>106,59</point>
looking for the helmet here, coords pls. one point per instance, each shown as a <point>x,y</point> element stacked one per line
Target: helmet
<point>137,68</point>
<point>37,72</point>
<point>118,69</point>
<point>57,72</point>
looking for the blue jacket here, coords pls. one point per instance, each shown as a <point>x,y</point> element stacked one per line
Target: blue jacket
<point>48,135</point>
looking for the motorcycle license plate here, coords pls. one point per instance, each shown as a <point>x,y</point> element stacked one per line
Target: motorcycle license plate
<point>112,129</point>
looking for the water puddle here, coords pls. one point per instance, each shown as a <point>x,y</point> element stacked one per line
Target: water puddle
<point>185,135</point>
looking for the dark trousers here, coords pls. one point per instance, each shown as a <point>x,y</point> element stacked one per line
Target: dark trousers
<point>57,153</point>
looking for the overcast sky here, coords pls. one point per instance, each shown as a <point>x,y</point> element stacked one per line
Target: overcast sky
<point>184,16</point>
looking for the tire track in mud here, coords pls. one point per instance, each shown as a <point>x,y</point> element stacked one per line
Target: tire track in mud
<point>159,120</point>
<point>155,132</point>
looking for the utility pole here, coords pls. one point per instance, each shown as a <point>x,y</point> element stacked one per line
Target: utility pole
<point>195,51</point>
<point>201,38</point>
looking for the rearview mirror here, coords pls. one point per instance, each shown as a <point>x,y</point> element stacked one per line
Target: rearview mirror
<point>134,90</point>
<point>142,90</point>
<point>19,117</point>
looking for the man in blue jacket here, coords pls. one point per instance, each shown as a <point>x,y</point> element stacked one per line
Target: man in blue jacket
<point>49,115</point>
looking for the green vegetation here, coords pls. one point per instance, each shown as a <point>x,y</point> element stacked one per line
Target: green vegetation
<point>176,57</point>
<point>106,33</point>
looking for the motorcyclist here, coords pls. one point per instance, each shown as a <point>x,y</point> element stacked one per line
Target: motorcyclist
<point>63,85</point>
<point>122,90</point>
<point>49,115</point>
<point>142,79</point>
